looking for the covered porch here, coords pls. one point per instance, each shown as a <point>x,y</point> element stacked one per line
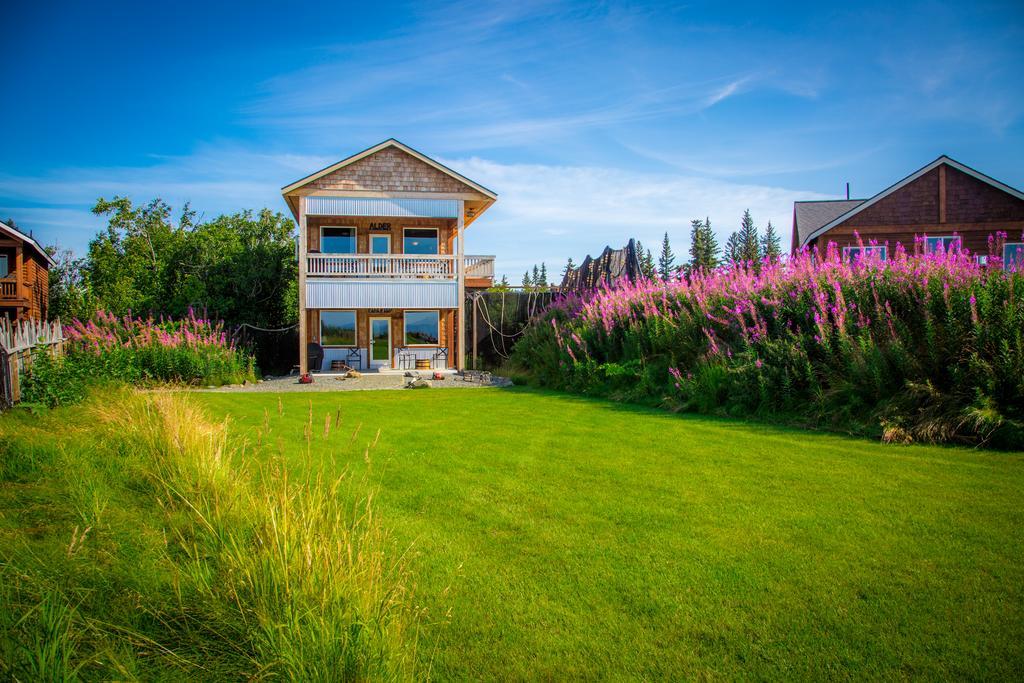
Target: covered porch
<point>382,340</point>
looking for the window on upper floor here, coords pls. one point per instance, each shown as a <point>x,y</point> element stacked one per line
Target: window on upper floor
<point>337,240</point>
<point>337,328</point>
<point>945,243</point>
<point>420,241</point>
<point>857,253</point>
<point>4,269</point>
<point>1013,255</point>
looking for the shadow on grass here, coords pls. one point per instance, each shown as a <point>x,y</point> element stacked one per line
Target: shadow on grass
<point>783,428</point>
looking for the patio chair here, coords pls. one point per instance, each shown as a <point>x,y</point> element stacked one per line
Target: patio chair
<point>315,353</point>
<point>354,358</point>
<point>406,359</point>
<point>440,355</point>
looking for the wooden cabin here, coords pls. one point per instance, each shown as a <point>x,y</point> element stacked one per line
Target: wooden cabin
<point>24,276</point>
<point>383,272</point>
<point>944,205</point>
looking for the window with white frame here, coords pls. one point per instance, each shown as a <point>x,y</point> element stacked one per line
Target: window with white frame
<point>944,243</point>
<point>4,267</point>
<point>858,253</point>
<point>337,240</point>
<point>422,328</point>
<point>1013,255</point>
<point>338,328</point>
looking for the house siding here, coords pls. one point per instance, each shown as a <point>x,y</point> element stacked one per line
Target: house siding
<point>352,293</point>
<point>390,170</point>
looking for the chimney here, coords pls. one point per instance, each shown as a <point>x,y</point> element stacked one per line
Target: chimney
<point>847,190</point>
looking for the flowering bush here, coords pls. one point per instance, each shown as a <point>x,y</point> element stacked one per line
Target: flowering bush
<point>133,350</point>
<point>918,347</point>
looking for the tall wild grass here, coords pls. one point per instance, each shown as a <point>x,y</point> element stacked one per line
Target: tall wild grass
<point>159,545</point>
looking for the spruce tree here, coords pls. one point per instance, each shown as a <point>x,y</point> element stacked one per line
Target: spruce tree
<point>543,281</point>
<point>569,267</point>
<point>504,286</point>
<point>704,248</point>
<point>646,259</point>
<point>527,282</point>
<point>714,252</point>
<point>771,244</point>
<point>734,248</point>
<point>696,245</point>
<point>648,267</point>
<point>666,260</point>
<point>535,279</point>
<point>750,244</point>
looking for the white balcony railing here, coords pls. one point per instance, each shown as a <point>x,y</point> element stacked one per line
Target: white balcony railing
<point>479,266</point>
<point>412,266</point>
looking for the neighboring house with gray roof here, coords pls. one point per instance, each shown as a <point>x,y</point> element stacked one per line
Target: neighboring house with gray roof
<point>944,204</point>
<point>810,215</point>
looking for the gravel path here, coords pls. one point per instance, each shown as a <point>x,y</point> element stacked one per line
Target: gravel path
<point>367,382</point>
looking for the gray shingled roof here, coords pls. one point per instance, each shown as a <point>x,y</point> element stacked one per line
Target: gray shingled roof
<point>812,215</point>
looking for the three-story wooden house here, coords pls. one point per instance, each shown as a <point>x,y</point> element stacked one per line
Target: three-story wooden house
<point>383,272</point>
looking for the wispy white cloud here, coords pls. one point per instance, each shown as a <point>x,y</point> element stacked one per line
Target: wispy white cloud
<point>770,160</point>
<point>216,179</point>
<point>549,213</point>
<point>726,91</point>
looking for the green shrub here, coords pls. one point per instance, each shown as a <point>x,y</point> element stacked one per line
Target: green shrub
<point>922,347</point>
<point>136,351</point>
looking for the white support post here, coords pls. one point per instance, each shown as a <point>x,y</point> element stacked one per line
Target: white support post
<point>460,264</point>
<point>303,332</point>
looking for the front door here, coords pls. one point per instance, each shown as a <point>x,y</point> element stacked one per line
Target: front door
<point>380,244</point>
<point>380,342</point>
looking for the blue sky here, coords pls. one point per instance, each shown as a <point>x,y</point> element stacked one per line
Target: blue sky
<point>593,121</point>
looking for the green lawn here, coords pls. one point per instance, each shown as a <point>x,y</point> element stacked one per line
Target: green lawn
<point>574,537</point>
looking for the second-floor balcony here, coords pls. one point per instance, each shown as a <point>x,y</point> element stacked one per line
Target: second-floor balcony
<point>398,266</point>
<point>9,287</point>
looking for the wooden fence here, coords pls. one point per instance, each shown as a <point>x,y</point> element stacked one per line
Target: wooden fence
<point>19,342</point>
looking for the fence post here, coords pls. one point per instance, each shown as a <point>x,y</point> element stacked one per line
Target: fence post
<point>18,342</point>
<point>12,372</point>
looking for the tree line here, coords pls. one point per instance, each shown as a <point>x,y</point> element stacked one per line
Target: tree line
<point>239,267</point>
<point>746,245</point>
